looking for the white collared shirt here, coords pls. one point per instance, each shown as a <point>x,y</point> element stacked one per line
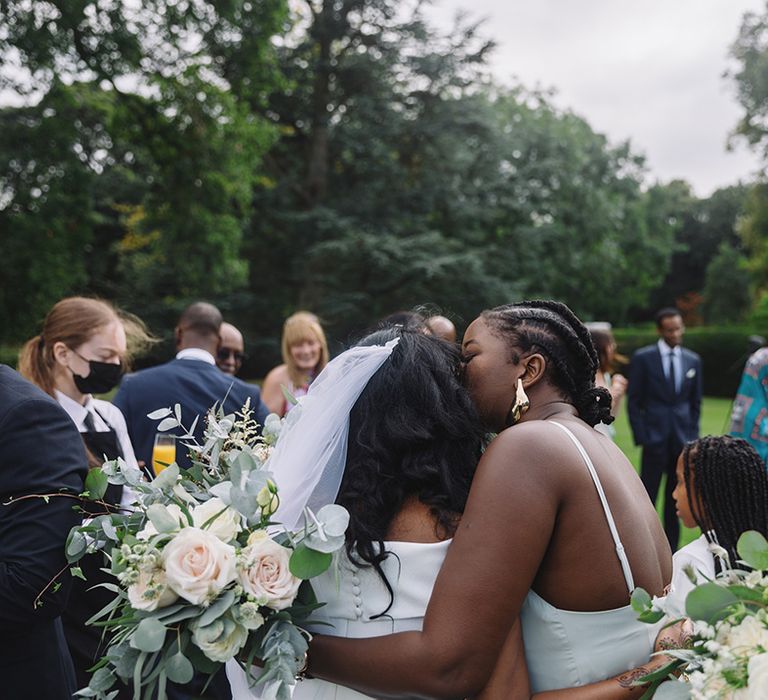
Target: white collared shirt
<point>677,358</point>
<point>114,416</point>
<point>195,354</point>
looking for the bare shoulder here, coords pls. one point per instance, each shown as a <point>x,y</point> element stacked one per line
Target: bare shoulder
<point>533,451</point>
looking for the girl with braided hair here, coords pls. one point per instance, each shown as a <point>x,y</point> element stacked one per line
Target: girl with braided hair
<point>556,533</point>
<point>722,488</point>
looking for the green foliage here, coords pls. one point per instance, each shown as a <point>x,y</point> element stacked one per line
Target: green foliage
<point>753,550</point>
<point>132,176</point>
<point>700,227</point>
<point>354,162</point>
<point>727,294</point>
<point>750,80</point>
<point>306,563</point>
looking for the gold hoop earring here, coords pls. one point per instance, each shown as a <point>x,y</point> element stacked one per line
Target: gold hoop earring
<point>520,406</point>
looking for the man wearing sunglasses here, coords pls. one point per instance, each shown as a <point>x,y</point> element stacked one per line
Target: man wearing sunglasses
<point>231,353</point>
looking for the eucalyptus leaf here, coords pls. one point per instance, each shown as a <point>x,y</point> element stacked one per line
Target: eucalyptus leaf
<point>123,658</point>
<point>96,483</point>
<point>650,616</point>
<point>306,563</point>
<point>185,613</point>
<point>167,478</point>
<point>162,518</point>
<point>109,528</point>
<point>168,424</point>
<point>102,680</point>
<point>708,602</point>
<point>179,669</point>
<point>217,608</point>
<point>222,490</point>
<point>327,545</point>
<point>753,549</point>
<point>149,635</point>
<point>334,519</point>
<point>76,545</point>
<point>640,599</point>
<point>159,414</point>
<point>132,476</point>
<point>77,572</point>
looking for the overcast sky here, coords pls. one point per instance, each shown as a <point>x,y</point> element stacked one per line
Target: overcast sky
<point>646,70</point>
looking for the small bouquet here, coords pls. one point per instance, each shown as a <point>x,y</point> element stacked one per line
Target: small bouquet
<point>203,575</point>
<point>728,653</point>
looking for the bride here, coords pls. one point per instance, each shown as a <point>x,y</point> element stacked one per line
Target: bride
<point>536,519</point>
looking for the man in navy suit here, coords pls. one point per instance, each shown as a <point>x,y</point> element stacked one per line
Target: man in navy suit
<point>40,453</point>
<point>664,404</point>
<point>191,379</point>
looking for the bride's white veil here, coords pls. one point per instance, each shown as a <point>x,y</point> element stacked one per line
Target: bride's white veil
<point>309,457</point>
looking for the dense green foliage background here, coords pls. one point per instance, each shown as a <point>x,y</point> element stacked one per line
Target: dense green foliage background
<point>343,157</point>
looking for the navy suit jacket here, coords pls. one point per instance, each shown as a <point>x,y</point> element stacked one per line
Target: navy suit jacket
<point>195,384</point>
<point>656,411</point>
<point>41,452</point>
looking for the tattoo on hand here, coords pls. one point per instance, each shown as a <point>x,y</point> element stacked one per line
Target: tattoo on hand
<point>628,679</point>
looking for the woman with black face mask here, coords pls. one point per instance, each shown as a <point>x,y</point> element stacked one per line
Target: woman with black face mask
<point>82,351</point>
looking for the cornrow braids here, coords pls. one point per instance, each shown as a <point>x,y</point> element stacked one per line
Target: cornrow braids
<point>727,487</point>
<point>552,329</point>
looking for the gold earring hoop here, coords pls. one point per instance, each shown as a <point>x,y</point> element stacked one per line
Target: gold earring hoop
<point>520,406</point>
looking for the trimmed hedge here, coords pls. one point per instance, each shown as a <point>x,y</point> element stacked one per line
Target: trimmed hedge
<point>723,350</point>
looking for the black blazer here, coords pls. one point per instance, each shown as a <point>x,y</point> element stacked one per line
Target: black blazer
<point>194,384</point>
<point>40,452</point>
<point>656,411</point>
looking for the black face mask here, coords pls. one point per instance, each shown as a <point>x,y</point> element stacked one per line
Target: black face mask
<point>103,377</point>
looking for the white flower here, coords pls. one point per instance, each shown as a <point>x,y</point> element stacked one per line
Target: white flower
<point>747,636</point>
<point>220,640</point>
<point>757,687</point>
<point>267,498</point>
<point>150,530</point>
<point>151,591</point>
<point>264,574</point>
<point>198,565</point>
<point>226,524</point>
<point>250,616</point>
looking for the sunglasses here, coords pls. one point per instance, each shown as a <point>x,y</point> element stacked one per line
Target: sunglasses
<point>223,354</point>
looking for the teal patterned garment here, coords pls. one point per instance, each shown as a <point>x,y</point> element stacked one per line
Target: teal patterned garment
<point>749,418</point>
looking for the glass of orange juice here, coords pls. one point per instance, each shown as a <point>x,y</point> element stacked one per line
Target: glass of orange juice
<point>164,452</point>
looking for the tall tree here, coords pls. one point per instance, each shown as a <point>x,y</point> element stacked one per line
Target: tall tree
<point>182,81</point>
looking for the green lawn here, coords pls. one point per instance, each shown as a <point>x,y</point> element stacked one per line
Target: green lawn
<point>714,421</point>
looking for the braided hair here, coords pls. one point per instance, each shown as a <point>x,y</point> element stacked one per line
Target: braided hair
<point>727,486</point>
<point>552,329</point>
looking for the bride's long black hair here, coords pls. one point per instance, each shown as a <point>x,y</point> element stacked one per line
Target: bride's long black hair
<point>413,432</point>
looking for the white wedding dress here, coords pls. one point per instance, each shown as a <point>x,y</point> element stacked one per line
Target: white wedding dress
<point>353,596</point>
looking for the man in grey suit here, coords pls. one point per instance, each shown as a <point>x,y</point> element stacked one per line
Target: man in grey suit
<point>664,405</point>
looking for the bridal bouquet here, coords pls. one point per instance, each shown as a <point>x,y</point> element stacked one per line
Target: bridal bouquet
<point>728,654</point>
<point>202,574</point>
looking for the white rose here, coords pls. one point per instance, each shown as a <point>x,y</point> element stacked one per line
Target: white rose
<point>227,521</point>
<point>198,565</point>
<point>757,685</point>
<point>748,635</point>
<point>220,640</point>
<point>150,530</point>
<point>264,574</point>
<point>151,591</point>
